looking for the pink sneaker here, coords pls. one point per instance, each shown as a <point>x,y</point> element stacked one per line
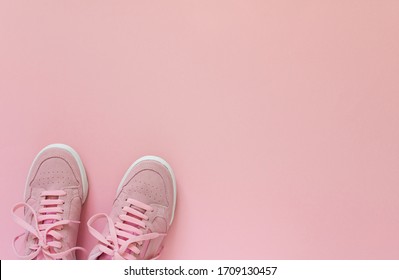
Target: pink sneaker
<point>55,190</point>
<point>141,214</point>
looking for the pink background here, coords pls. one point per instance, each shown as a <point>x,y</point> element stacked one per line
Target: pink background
<point>280,118</point>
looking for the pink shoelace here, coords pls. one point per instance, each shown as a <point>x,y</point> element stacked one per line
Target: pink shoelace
<point>125,237</point>
<point>45,227</point>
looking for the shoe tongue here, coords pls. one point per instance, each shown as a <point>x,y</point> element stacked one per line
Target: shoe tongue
<point>50,213</point>
<point>142,211</point>
<point>49,238</point>
<point>144,231</point>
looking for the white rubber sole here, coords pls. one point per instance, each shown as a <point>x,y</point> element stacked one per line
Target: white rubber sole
<point>82,170</point>
<point>164,163</point>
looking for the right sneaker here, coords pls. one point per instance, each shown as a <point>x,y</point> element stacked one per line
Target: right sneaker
<point>141,215</point>
<point>55,190</point>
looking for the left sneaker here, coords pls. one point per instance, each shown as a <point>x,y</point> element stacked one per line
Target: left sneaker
<point>55,190</point>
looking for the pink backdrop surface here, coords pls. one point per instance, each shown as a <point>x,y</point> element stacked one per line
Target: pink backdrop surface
<point>280,118</point>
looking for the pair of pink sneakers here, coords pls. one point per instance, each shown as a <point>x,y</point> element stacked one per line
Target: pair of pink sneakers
<point>56,189</point>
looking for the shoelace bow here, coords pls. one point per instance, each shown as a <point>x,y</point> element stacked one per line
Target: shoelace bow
<point>124,237</point>
<point>45,226</point>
